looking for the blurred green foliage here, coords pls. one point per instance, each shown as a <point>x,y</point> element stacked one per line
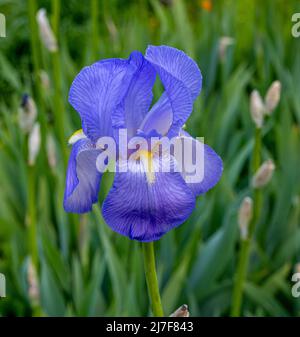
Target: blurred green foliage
<point>83,267</point>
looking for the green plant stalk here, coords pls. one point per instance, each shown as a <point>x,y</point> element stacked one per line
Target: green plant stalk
<point>151,278</point>
<point>244,254</point>
<point>36,60</point>
<point>95,29</point>
<point>240,277</point>
<point>256,160</point>
<point>31,220</point>
<point>59,111</point>
<point>57,79</point>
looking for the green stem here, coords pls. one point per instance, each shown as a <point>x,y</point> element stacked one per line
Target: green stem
<point>151,278</point>
<point>57,80</point>
<point>95,34</point>
<point>55,17</point>
<point>240,278</point>
<point>245,249</point>
<point>36,60</point>
<point>59,108</point>
<point>256,151</point>
<point>31,220</point>
<point>34,40</point>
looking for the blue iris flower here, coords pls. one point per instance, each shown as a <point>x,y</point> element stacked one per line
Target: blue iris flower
<point>117,93</point>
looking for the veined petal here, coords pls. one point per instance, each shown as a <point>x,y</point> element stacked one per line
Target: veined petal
<point>159,118</point>
<point>177,64</point>
<point>96,92</point>
<point>83,179</point>
<point>211,165</point>
<point>144,208</point>
<point>138,98</point>
<point>182,80</point>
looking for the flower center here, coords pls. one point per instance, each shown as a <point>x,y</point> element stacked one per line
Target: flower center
<point>146,158</point>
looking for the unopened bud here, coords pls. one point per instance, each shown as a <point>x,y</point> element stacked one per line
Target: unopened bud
<point>33,285</point>
<point>245,216</point>
<point>113,31</point>
<point>46,32</point>
<point>263,174</point>
<point>224,43</point>
<point>45,81</point>
<point>296,200</point>
<point>51,151</point>
<point>272,97</point>
<point>34,143</point>
<point>27,113</point>
<point>257,108</point>
<point>183,311</point>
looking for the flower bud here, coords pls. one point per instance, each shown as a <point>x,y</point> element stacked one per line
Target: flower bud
<point>33,285</point>
<point>296,200</point>
<point>27,113</point>
<point>45,81</point>
<point>46,32</point>
<point>183,311</point>
<point>224,43</point>
<point>2,286</point>
<point>34,143</point>
<point>257,108</point>
<point>51,151</point>
<point>245,216</point>
<point>112,29</point>
<point>263,174</point>
<point>272,97</point>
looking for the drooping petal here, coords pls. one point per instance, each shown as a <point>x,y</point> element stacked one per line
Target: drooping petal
<point>138,98</point>
<point>83,179</point>
<point>144,208</point>
<point>210,165</point>
<point>182,80</point>
<point>96,92</point>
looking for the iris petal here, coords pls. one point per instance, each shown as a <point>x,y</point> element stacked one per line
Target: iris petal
<point>177,64</point>
<point>96,92</point>
<point>83,179</point>
<point>211,167</point>
<point>138,98</point>
<point>159,118</point>
<point>182,80</point>
<point>144,209</point>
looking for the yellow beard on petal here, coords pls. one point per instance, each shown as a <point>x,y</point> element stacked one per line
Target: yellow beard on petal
<point>146,158</point>
<point>77,135</point>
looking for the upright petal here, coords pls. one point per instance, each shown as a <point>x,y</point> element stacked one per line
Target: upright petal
<point>83,179</point>
<point>159,118</point>
<point>182,80</point>
<point>96,92</point>
<point>136,102</point>
<point>177,64</point>
<point>144,208</point>
<point>211,165</point>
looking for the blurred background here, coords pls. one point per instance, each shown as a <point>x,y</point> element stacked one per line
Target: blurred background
<point>57,264</point>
